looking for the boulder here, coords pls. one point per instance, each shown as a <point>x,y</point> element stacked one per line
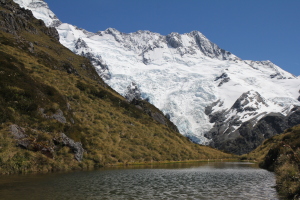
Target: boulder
<point>76,147</point>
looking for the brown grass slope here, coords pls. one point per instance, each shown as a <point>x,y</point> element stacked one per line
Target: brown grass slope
<point>281,154</point>
<point>46,90</point>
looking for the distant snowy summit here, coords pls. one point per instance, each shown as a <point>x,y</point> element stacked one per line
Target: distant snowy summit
<point>212,96</point>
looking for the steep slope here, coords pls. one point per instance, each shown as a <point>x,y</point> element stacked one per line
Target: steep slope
<point>281,154</point>
<point>189,78</point>
<point>56,113</point>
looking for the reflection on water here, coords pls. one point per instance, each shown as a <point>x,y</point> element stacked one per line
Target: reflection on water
<point>177,181</point>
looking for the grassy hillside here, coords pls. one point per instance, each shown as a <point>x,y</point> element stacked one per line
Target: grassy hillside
<point>281,154</point>
<point>46,90</point>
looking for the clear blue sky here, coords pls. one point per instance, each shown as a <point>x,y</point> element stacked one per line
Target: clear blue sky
<point>250,29</point>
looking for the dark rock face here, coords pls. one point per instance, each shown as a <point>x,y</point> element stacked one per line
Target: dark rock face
<point>208,109</point>
<point>174,40</point>
<point>76,147</point>
<point>30,143</point>
<point>250,134</point>
<point>235,136</point>
<point>224,79</point>
<point>52,32</point>
<point>133,92</point>
<point>242,103</point>
<point>155,113</point>
<point>97,61</point>
<point>298,98</point>
<point>247,102</point>
<point>80,44</point>
<point>208,48</point>
<point>224,75</point>
<point>13,23</point>
<point>114,33</point>
<point>20,136</point>
<point>274,75</point>
<point>293,117</point>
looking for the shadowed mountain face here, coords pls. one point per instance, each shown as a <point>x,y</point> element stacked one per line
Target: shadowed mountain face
<point>56,113</point>
<point>233,131</point>
<point>189,78</point>
<point>280,154</point>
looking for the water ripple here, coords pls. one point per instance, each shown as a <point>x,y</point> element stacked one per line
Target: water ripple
<point>208,181</point>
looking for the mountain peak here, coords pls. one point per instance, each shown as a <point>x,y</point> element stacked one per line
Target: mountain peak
<point>249,101</point>
<point>195,32</point>
<point>112,31</point>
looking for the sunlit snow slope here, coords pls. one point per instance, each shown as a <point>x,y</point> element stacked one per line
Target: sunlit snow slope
<point>182,75</point>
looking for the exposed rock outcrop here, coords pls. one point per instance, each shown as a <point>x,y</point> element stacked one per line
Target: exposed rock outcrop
<point>18,21</point>
<point>17,132</point>
<point>52,32</point>
<point>20,136</point>
<point>48,148</point>
<point>252,133</point>
<point>155,113</point>
<point>76,147</point>
<point>29,142</point>
<point>249,101</point>
<point>101,67</point>
<point>224,79</point>
<point>133,92</point>
<point>174,40</point>
<point>247,123</point>
<point>208,48</point>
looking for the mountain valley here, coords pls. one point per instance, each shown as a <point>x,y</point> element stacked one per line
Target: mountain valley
<point>211,95</point>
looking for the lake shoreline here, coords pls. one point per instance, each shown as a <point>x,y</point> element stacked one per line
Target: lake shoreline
<point>128,164</point>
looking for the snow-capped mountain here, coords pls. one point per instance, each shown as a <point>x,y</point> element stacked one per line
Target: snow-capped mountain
<point>205,90</point>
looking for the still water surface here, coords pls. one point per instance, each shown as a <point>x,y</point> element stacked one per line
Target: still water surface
<point>227,180</point>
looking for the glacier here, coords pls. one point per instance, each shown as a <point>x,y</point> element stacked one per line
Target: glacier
<point>181,74</point>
